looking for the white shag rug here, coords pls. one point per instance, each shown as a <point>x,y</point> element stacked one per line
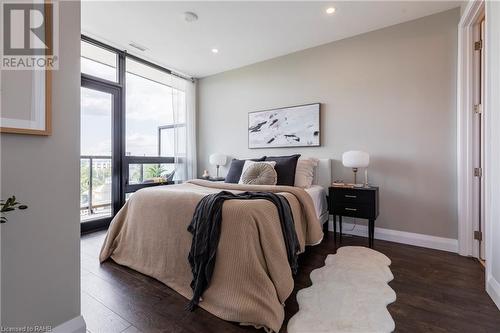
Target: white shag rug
<point>349,294</point>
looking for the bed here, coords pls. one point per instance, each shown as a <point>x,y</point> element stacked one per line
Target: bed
<point>252,277</point>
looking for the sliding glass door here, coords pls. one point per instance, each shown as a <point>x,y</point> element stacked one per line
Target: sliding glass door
<point>95,154</point>
<point>99,154</point>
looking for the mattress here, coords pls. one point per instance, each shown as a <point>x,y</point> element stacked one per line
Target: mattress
<point>318,195</point>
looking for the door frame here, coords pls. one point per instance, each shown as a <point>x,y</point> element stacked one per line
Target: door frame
<point>90,82</point>
<point>492,147</point>
<point>468,213</point>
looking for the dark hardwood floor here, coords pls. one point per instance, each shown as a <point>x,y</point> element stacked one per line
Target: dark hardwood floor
<point>436,292</point>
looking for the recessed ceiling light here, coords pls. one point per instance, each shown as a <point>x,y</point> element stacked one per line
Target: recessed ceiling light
<point>215,50</point>
<point>330,10</point>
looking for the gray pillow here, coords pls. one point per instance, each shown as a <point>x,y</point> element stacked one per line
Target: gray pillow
<point>260,174</point>
<point>285,168</point>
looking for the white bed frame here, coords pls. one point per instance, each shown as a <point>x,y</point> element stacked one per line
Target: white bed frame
<point>323,176</point>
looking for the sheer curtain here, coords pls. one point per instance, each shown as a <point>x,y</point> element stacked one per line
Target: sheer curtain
<point>184,113</point>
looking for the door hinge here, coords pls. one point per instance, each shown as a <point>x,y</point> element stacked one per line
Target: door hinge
<point>478,235</point>
<point>478,45</point>
<point>478,109</point>
<point>478,172</point>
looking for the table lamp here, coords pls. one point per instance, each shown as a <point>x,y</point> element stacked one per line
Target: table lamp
<point>218,160</point>
<point>356,159</point>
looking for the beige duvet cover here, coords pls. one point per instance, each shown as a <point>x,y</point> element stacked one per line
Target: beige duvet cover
<point>252,277</point>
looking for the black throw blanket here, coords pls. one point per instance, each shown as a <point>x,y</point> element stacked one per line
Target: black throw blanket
<point>205,228</point>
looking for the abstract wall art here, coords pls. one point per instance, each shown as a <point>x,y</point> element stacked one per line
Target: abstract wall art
<point>295,126</point>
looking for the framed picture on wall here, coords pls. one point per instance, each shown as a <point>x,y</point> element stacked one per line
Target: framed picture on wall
<point>32,114</point>
<point>294,126</point>
<point>25,102</point>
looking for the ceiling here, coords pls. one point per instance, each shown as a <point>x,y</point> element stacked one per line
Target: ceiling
<point>243,32</point>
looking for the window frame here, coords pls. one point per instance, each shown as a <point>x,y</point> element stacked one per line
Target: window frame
<point>120,161</point>
<point>166,127</point>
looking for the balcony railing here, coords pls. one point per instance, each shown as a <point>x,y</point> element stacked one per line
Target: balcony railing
<point>95,187</point>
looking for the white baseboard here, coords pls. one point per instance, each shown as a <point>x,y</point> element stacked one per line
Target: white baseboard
<point>493,289</point>
<point>403,237</point>
<point>75,325</point>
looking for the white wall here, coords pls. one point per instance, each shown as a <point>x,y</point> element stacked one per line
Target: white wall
<point>390,92</point>
<point>40,259</point>
<point>492,167</point>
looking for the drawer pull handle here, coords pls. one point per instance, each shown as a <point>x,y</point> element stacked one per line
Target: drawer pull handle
<point>351,209</point>
<point>350,196</point>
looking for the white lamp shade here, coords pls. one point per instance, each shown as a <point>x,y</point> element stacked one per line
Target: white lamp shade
<point>355,159</point>
<point>218,159</point>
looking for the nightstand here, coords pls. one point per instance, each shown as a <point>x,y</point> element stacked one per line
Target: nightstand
<point>360,202</point>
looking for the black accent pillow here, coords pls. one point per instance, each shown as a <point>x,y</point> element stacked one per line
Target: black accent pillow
<point>285,168</point>
<point>234,173</point>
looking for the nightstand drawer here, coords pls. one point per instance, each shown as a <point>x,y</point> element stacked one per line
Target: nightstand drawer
<point>348,195</point>
<point>364,211</point>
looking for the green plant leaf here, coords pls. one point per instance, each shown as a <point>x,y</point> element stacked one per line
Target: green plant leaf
<point>10,205</point>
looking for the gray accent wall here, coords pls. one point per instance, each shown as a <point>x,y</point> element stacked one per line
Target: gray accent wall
<point>40,247</point>
<point>390,92</point>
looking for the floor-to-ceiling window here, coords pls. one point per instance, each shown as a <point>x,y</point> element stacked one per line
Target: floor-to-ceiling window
<point>134,118</point>
<point>155,115</point>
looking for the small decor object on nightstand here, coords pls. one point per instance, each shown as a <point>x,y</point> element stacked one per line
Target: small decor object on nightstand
<point>218,160</point>
<point>205,174</point>
<point>356,159</point>
<point>358,202</point>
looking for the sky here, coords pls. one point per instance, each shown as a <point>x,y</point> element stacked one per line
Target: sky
<point>148,105</point>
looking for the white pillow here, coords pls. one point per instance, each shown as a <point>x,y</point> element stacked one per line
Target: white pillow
<point>260,174</point>
<point>248,163</point>
<point>304,173</point>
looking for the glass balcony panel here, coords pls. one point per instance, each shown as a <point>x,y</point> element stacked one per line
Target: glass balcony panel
<point>101,187</point>
<point>150,173</point>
